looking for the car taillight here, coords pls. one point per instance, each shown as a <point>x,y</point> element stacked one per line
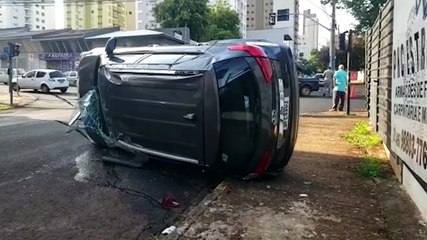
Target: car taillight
<point>260,56</point>
<point>263,164</point>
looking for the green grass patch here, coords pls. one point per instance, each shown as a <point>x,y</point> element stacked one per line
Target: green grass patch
<point>4,107</point>
<point>372,167</point>
<point>362,137</point>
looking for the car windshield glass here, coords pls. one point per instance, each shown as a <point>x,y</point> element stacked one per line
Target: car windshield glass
<point>56,74</point>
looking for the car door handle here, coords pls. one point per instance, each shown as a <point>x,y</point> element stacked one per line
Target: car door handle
<point>190,116</point>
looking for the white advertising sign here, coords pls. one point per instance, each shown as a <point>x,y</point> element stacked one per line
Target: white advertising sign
<point>409,85</point>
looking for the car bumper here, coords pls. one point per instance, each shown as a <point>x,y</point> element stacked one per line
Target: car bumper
<point>58,85</point>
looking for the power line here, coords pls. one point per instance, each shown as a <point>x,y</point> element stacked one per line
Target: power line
<point>320,8</point>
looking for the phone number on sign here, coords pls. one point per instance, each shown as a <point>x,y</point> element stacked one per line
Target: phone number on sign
<point>413,146</point>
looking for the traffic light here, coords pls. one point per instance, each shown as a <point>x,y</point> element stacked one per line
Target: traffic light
<point>14,49</point>
<point>342,42</point>
<point>272,19</point>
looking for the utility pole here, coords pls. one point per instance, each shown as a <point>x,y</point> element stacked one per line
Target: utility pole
<point>333,27</point>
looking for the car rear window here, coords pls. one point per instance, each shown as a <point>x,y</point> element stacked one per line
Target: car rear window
<point>56,74</point>
<point>239,109</point>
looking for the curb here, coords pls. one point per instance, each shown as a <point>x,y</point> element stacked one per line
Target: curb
<point>197,211</point>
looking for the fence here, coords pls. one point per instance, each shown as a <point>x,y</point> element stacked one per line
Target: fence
<point>396,76</point>
<point>379,51</point>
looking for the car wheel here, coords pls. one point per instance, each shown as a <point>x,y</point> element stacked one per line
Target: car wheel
<point>45,88</point>
<point>64,90</point>
<point>305,91</point>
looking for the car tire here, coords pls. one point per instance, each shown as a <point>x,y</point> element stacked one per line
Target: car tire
<point>63,90</point>
<point>305,91</point>
<point>45,88</point>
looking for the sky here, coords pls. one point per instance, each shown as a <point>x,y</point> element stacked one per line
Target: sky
<point>344,19</point>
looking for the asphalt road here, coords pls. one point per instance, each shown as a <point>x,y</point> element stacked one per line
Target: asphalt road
<point>54,185</point>
<point>317,103</point>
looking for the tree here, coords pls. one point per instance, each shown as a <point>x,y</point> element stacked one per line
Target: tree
<point>223,23</point>
<point>320,59</point>
<point>365,12</point>
<point>181,13</point>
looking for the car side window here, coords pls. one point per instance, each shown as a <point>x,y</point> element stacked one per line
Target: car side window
<point>30,74</point>
<point>239,108</point>
<point>40,74</point>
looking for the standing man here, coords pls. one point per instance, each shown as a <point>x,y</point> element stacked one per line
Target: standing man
<point>328,75</point>
<point>340,88</point>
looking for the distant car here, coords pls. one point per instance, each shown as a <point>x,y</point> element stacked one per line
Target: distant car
<point>4,77</point>
<point>72,77</point>
<point>321,79</point>
<point>307,85</point>
<point>44,80</point>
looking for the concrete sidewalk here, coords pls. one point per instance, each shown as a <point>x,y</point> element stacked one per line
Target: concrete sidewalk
<point>20,100</point>
<point>319,196</point>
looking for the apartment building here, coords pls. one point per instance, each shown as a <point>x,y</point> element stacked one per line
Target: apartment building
<point>146,19</point>
<point>258,12</point>
<point>34,16</point>
<point>285,29</point>
<point>311,29</point>
<point>241,7</point>
<point>91,14</point>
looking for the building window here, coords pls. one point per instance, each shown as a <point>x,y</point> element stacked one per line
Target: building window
<point>42,13</point>
<point>37,12</point>
<point>93,11</point>
<point>301,54</point>
<point>130,13</point>
<point>43,21</point>
<point>37,26</point>
<point>43,28</point>
<point>252,19</point>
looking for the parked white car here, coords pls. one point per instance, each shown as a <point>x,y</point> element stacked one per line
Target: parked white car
<point>4,77</point>
<point>72,77</point>
<point>44,80</point>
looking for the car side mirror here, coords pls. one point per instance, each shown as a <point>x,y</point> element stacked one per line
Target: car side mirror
<point>110,46</point>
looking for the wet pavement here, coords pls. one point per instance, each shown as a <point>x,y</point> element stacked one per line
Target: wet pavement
<point>55,186</point>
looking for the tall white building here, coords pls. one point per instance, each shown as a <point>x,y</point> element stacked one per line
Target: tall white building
<point>285,29</point>
<point>35,16</point>
<point>146,19</point>
<point>303,47</point>
<point>240,6</point>
<point>311,29</point>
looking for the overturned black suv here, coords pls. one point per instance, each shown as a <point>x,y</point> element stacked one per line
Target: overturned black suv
<point>232,105</point>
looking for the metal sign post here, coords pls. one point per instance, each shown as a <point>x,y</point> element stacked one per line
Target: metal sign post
<point>10,72</point>
<point>349,48</point>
